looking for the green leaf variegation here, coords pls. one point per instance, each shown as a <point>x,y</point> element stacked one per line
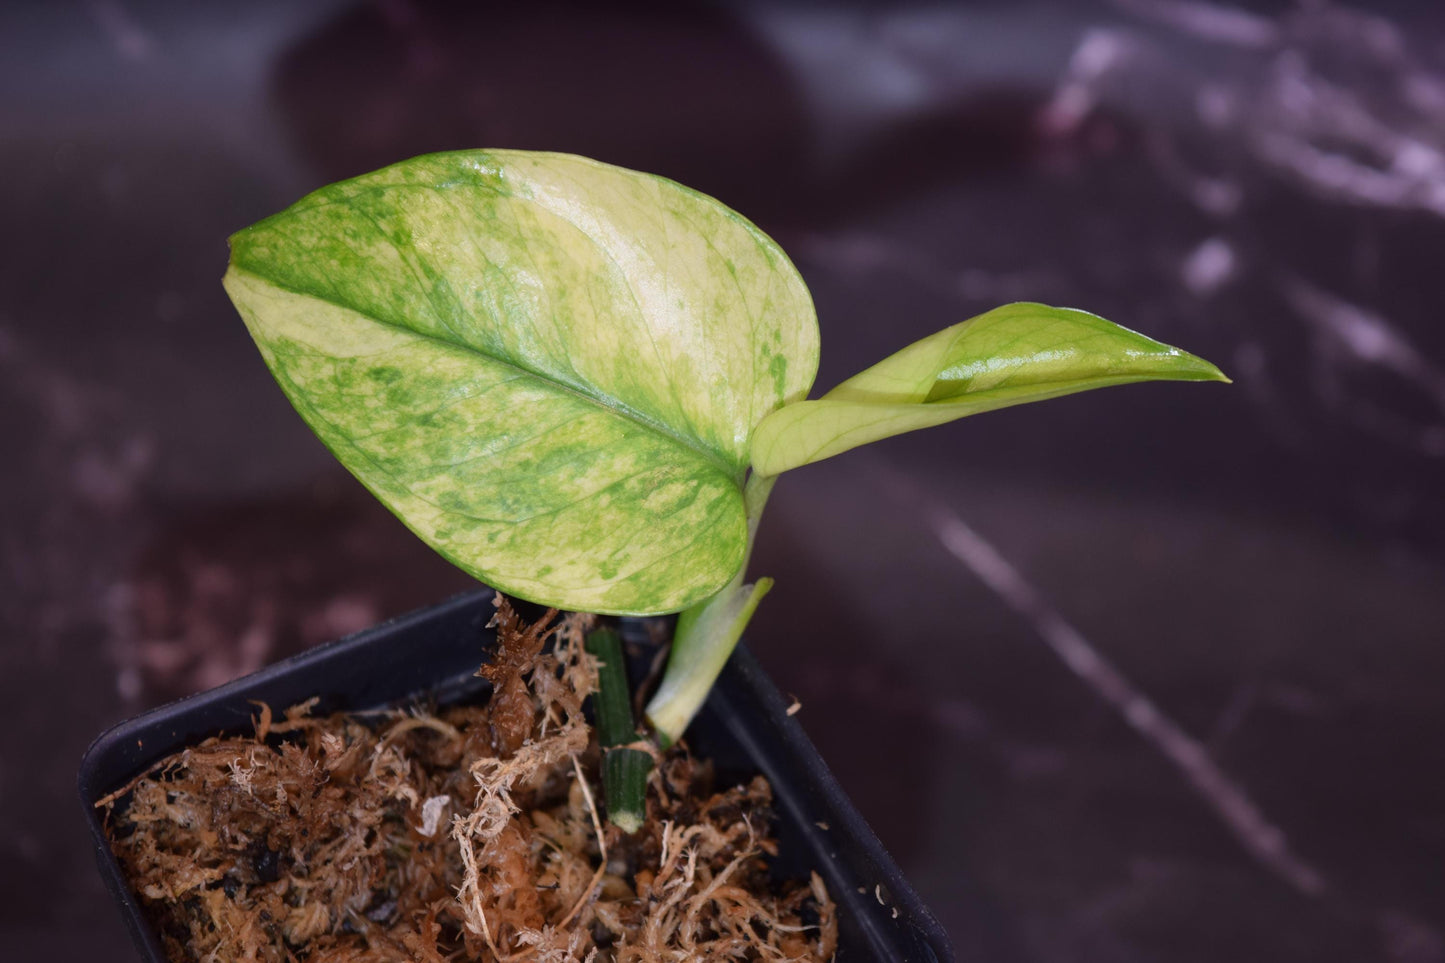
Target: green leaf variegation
<point>549,368</point>
<point>1009,356</point>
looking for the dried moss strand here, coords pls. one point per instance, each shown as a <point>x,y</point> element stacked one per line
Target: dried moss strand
<point>601,848</point>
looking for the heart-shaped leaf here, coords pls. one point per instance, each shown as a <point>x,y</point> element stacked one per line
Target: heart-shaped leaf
<point>549,368</point>
<point>1011,355</point>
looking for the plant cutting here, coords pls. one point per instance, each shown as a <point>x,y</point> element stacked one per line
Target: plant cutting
<point>580,384</point>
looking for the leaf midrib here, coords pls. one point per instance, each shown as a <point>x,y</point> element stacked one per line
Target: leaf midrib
<point>608,404</point>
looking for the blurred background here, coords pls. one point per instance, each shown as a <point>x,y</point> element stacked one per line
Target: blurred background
<point>1153,673</point>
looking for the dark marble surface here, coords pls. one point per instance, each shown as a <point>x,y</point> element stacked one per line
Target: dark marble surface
<point>1148,674</point>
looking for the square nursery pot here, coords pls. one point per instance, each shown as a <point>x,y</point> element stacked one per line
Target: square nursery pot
<point>743,728</point>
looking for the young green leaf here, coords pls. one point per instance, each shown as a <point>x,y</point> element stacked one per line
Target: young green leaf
<point>1008,356</point>
<point>549,368</point>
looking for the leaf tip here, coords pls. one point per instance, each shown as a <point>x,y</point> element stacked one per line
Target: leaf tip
<point>1200,370</point>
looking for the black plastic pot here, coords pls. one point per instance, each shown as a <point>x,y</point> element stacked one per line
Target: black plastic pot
<point>743,728</point>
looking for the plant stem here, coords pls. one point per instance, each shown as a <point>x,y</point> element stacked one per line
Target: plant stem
<point>624,771</point>
<point>624,783</point>
<point>707,633</point>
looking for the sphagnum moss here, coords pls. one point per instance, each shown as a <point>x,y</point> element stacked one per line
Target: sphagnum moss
<point>462,833</point>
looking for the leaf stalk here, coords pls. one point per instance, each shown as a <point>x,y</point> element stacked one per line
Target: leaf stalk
<point>708,632</point>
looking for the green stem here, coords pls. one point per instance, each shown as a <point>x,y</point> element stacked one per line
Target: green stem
<point>624,784</point>
<point>624,771</point>
<point>707,633</point>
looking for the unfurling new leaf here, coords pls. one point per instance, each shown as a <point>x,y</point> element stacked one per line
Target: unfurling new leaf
<point>1009,356</point>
